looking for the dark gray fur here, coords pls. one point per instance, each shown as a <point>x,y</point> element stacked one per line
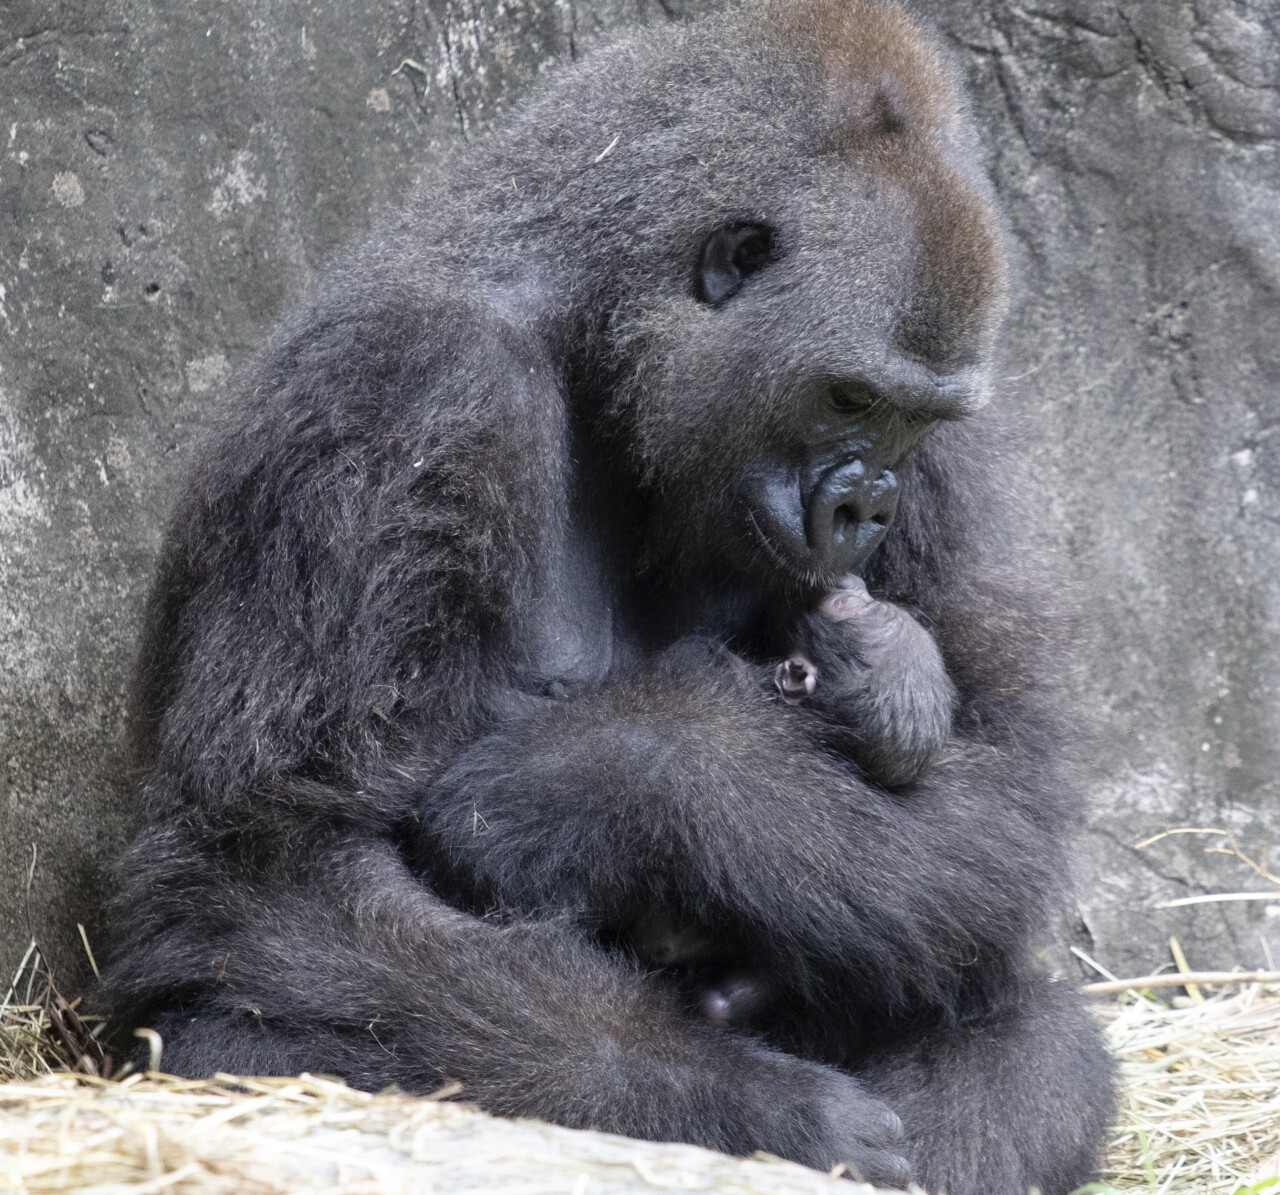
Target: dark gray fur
<point>884,688</point>
<point>437,696</point>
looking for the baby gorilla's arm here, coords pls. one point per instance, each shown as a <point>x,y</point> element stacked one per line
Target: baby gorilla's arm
<point>878,679</point>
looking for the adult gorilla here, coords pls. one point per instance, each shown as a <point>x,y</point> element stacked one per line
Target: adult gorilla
<point>459,704</point>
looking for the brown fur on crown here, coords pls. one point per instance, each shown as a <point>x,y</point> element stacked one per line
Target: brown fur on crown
<point>882,72</point>
<point>892,102</point>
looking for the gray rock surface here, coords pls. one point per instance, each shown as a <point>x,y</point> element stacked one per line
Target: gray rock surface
<point>172,176</point>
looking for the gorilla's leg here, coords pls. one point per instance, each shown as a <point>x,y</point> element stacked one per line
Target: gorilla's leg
<point>1000,1105</point>
<point>348,966</point>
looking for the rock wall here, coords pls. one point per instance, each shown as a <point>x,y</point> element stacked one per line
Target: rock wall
<point>172,176</point>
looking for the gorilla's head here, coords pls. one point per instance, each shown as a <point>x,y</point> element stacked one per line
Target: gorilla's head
<point>790,268</point>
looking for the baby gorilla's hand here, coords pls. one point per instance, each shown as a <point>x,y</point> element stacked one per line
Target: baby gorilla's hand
<point>877,677</point>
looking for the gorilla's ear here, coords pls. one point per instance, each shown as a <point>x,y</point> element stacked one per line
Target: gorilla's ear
<point>730,256</point>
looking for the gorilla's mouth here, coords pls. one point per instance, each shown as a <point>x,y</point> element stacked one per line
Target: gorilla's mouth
<point>829,532</point>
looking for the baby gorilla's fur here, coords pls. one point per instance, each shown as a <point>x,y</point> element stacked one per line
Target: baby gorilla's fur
<point>882,684</point>
<point>888,701</point>
<point>459,659</point>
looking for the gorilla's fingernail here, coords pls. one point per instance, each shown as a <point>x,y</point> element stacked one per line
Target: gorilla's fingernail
<point>716,1006</point>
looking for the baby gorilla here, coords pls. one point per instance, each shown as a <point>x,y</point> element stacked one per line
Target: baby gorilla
<point>878,680</point>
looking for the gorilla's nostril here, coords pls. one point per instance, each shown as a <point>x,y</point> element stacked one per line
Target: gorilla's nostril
<point>843,520</point>
<point>847,513</point>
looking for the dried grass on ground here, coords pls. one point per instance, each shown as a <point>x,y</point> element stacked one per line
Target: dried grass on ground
<point>1200,1115</point>
<point>41,1032</point>
<point>271,1136</point>
<point>1200,1110</point>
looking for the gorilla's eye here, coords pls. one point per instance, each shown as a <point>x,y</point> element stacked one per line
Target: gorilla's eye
<point>730,256</point>
<point>851,397</point>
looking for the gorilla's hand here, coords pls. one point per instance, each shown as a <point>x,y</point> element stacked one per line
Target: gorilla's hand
<point>877,677</point>
<point>838,1120</point>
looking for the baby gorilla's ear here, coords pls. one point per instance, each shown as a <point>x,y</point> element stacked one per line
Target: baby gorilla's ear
<point>729,257</point>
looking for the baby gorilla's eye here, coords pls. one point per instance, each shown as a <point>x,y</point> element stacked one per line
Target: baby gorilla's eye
<point>730,256</point>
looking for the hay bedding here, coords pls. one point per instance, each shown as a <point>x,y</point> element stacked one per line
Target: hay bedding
<point>1200,1108</point>
<point>1200,1113</point>
<point>67,1131</point>
<point>268,1136</point>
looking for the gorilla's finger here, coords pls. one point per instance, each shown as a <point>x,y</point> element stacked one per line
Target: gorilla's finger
<point>880,1168</point>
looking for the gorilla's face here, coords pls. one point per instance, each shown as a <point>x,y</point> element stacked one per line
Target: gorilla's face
<point>829,394</point>
<point>838,303</point>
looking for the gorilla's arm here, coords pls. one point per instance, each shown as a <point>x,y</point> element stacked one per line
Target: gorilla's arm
<point>341,962</point>
<point>685,787</point>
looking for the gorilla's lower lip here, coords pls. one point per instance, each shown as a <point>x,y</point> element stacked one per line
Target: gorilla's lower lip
<point>803,567</point>
<point>807,570</point>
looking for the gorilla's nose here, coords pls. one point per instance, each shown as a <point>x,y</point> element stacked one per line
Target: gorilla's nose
<point>849,513</point>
